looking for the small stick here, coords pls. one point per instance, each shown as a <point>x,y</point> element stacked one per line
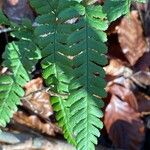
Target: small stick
<point>47,90</point>
<point>4,30</point>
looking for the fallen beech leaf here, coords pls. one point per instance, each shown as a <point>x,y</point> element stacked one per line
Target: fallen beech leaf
<point>131,38</point>
<point>124,94</point>
<point>38,101</point>
<point>123,124</point>
<point>16,10</point>
<point>34,122</point>
<point>122,81</point>
<point>117,67</point>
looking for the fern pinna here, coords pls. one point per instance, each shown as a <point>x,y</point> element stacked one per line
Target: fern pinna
<point>20,58</point>
<point>11,86</point>
<point>87,86</point>
<point>52,34</point>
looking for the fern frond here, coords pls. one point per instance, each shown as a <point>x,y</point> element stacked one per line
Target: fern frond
<point>87,87</point>
<point>10,86</point>
<point>51,36</point>
<point>20,57</point>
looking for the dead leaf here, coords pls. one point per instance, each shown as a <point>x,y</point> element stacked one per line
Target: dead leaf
<point>38,100</point>
<point>124,94</point>
<point>116,67</point>
<point>34,122</point>
<point>131,38</point>
<point>123,124</point>
<point>141,78</point>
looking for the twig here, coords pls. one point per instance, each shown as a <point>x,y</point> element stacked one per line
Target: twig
<point>32,93</point>
<point>47,90</point>
<point>145,114</point>
<point>63,96</point>
<point>4,30</point>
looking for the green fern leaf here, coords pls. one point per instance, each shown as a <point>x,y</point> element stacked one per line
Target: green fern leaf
<point>28,51</point>
<point>20,57</point>
<point>11,86</point>
<point>12,60</point>
<point>87,87</point>
<point>23,31</point>
<point>116,8</point>
<point>51,36</point>
<point>60,106</point>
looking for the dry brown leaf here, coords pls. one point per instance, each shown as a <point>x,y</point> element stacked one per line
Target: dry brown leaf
<point>131,38</point>
<point>123,124</point>
<point>116,67</point>
<point>38,102</point>
<point>124,94</point>
<point>34,122</point>
<point>142,78</point>
<point>128,90</point>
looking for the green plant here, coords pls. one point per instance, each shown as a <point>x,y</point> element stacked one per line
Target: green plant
<point>72,56</point>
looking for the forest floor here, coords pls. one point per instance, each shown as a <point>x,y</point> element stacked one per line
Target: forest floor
<point>127,106</point>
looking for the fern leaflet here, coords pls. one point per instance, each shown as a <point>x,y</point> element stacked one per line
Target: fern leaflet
<point>20,58</point>
<point>10,86</point>
<point>116,8</point>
